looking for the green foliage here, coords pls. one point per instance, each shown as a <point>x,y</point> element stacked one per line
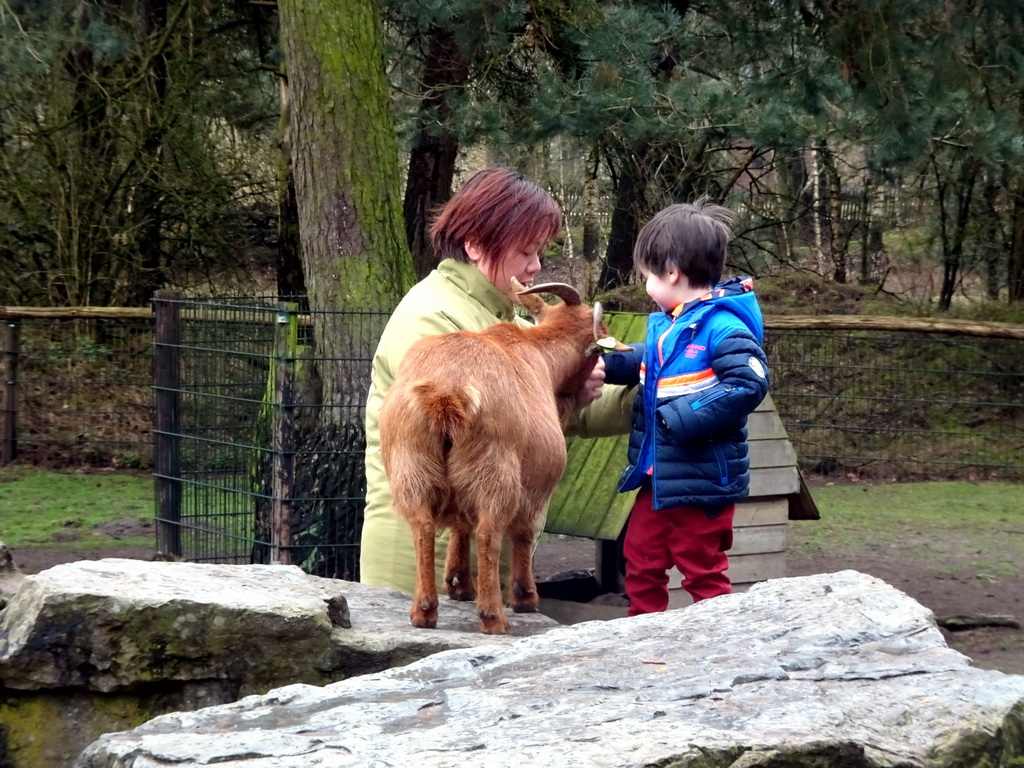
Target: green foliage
<point>127,159</point>
<point>65,508</point>
<point>787,112</point>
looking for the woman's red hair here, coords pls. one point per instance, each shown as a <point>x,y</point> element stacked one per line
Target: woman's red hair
<point>497,210</point>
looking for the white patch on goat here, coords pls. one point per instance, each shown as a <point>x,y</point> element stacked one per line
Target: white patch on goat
<point>475,396</point>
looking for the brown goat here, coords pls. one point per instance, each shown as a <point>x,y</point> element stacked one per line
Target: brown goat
<point>471,435</point>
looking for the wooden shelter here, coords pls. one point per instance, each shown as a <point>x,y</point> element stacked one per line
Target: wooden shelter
<point>587,503</point>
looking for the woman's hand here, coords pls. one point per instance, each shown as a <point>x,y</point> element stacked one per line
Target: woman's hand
<point>591,389</point>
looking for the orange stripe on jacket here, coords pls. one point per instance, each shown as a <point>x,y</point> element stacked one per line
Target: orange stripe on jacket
<point>686,378</point>
<point>683,384</point>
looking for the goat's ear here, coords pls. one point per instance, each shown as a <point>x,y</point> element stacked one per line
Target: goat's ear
<point>601,341</point>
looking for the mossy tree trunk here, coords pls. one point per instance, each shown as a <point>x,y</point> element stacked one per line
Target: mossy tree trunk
<point>345,166</point>
<point>344,161</point>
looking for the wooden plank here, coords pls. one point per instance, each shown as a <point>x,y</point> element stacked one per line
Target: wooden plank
<point>765,425</point>
<point>771,453</point>
<point>757,566</point>
<point>758,538</point>
<point>762,511</point>
<point>627,327</point>
<point>744,570</point>
<point>68,313</point>
<point>981,328</point>
<point>985,329</point>
<point>774,481</point>
<point>618,513</point>
<point>560,508</point>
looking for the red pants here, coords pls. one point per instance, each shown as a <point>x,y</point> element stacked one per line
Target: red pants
<point>684,537</point>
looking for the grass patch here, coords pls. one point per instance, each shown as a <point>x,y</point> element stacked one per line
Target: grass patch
<point>43,508</point>
<point>937,522</point>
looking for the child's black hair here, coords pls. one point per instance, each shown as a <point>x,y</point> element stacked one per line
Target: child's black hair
<point>689,237</point>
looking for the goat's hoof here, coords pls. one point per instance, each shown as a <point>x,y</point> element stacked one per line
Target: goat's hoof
<point>460,589</point>
<point>493,624</point>
<point>424,622</point>
<point>462,594</point>
<point>524,600</point>
<point>424,615</point>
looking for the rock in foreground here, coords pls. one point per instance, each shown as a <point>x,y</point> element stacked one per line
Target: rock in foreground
<point>104,645</point>
<point>830,670</point>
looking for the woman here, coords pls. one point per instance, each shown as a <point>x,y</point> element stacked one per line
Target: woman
<point>493,229</point>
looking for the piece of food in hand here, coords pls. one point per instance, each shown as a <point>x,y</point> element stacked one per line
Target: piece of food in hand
<point>611,344</point>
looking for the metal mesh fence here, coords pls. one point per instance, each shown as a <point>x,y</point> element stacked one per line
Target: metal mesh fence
<point>255,449</point>
<point>901,405</point>
<point>84,394</point>
<point>265,469</point>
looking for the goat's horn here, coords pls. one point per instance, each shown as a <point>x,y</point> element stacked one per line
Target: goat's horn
<point>598,317</point>
<point>564,291</point>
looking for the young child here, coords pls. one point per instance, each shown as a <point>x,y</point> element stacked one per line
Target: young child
<point>699,374</point>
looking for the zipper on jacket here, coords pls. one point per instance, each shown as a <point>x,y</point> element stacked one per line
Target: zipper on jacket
<point>722,469</point>
<point>661,340</point>
<point>698,404</point>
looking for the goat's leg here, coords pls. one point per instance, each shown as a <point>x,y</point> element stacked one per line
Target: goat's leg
<point>458,575</point>
<point>524,598</point>
<point>493,620</point>
<point>424,602</point>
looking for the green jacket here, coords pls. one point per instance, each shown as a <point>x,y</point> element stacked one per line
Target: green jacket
<point>454,297</point>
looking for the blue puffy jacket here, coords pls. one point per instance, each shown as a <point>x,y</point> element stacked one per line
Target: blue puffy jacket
<point>699,375</point>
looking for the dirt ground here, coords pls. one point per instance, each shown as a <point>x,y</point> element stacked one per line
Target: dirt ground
<point>990,647</point>
<point>977,598</point>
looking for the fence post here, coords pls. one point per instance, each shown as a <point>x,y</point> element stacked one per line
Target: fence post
<point>167,341</point>
<point>11,343</point>
<point>286,341</point>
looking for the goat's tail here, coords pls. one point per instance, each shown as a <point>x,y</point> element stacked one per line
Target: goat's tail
<point>448,410</point>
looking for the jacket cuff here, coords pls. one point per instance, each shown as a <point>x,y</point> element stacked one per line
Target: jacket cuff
<point>680,420</point>
<point>622,368</point>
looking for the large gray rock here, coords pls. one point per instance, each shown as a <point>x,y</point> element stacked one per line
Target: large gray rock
<point>10,576</point>
<point>105,645</point>
<point>831,670</point>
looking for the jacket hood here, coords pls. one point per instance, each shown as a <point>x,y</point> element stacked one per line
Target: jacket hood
<point>735,295</point>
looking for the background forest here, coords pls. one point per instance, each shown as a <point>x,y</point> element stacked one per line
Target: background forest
<point>873,149</point>
<point>201,144</point>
